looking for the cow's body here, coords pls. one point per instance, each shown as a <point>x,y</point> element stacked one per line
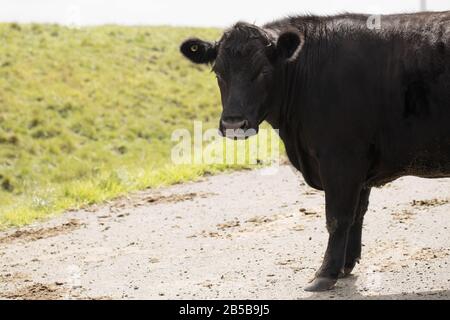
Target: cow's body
<point>357,108</point>
<point>385,93</point>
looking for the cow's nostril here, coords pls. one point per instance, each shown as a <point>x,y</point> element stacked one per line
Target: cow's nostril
<point>242,124</point>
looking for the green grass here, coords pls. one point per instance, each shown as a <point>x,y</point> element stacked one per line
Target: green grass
<point>87,114</point>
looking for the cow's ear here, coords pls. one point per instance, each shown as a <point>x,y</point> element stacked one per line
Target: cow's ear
<point>199,51</point>
<point>289,45</point>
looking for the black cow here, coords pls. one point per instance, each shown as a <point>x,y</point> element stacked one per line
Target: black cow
<point>356,106</point>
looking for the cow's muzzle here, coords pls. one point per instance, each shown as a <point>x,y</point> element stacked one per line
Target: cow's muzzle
<point>234,123</point>
<point>236,128</point>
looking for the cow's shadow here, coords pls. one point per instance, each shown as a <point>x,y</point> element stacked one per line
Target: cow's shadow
<point>347,289</point>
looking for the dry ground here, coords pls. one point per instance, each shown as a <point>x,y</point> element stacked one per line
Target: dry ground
<point>246,235</point>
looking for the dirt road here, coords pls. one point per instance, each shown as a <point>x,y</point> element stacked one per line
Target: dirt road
<point>243,235</point>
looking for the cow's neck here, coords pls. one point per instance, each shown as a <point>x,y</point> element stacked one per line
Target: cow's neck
<point>291,84</point>
<point>284,106</point>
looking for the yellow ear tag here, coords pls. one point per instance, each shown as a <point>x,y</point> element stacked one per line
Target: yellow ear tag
<point>194,48</point>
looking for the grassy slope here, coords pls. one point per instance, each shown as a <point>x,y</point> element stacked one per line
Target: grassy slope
<point>87,115</point>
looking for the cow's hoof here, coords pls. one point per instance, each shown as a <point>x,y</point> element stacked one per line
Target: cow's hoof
<point>321,284</point>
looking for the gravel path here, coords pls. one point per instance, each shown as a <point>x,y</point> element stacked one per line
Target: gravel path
<point>246,235</point>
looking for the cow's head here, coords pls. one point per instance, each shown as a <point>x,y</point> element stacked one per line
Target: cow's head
<point>244,60</point>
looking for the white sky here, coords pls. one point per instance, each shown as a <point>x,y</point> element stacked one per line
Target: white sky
<point>191,12</point>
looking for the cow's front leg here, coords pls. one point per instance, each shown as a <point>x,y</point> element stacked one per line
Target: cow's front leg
<point>342,182</point>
